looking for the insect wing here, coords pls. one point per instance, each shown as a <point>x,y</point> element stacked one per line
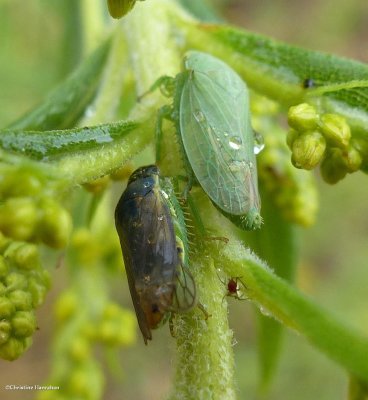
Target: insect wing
<point>149,247</point>
<point>185,296</point>
<point>128,262</point>
<point>216,133</point>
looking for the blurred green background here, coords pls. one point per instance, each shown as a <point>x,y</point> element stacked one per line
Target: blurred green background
<point>37,50</point>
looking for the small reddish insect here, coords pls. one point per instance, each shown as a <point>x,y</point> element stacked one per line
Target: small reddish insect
<point>233,288</point>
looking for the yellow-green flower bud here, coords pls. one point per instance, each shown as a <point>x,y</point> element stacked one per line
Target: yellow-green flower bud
<point>26,256</point>
<point>7,308</point>
<point>2,289</point>
<point>98,185</point>
<point>80,349</point>
<point>22,300</point>
<point>4,242</point>
<point>263,106</point>
<point>118,8</point>
<point>23,324</point>
<point>303,117</point>
<point>333,167</point>
<point>14,348</point>
<point>117,327</point>
<point>290,138</point>
<point>79,383</point>
<point>3,267</point>
<point>15,281</point>
<point>18,218</point>
<point>87,248</point>
<point>308,150</point>
<point>5,331</point>
<point>352,159</point>
<point>55,224</point>
<point>20,182</point>
<point>336,130</point>
<point>66,306</point>
<point>38,288</point>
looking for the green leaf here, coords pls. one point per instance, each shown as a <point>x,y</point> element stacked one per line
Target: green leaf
<point>280,71</point>
<point>64,105</point>
<point>48,145</point>
<point>276,243</point>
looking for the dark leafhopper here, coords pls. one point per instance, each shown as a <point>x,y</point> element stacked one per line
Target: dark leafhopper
<point>154,253</point>
<point>211,112</point>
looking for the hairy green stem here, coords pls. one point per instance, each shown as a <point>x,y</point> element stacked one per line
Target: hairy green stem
<point>86,166</point>
<point>93,23</point>
<point>280,300</point>
<point>205,360</point>
<point>205,364</point>
<point>153,48</point>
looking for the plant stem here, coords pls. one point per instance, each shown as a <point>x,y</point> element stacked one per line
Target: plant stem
<point>152,45</point>
<point>93,23</point>
<point>205,364</point>
<point>278,299</point>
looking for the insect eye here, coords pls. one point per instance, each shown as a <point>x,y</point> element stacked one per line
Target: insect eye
<point>308,83</point>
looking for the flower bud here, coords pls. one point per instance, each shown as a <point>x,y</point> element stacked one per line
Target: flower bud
<point>80,349</point>
<point>23,324</point>
<point>20,182</point>
<point>26,256</point>
<point>18,218</point>
<point>55,224</point>
<point>66,306</point>
<point>98,185</point>
<point>308,150</point>
<point>21,299</point>
<point>290,137</point>
<point>119,8</point>
<point>15,280</point>
<point>117,326</point>
<point>3,267</point>
<point>38,288</point>
<point>4,242</point>
<point>333,168</point>
<point>7,308</point>
<point>336,130</point>
<point>352,159</point>
<point>5,331</point>
<point>303,117</point>
<point>14,348</point>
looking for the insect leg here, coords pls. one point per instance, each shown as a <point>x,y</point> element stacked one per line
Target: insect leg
<point>163,113</point>
<point>164,83</point>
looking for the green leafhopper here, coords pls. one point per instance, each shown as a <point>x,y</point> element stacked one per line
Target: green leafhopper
<point>211,111</point>
<point>153,244</point>
<point>217,135</point>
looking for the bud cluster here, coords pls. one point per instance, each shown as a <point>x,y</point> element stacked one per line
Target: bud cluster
<point>293,190</point>
<point>323,140</point>
<point>23,286</point>
<point>28,212</point>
